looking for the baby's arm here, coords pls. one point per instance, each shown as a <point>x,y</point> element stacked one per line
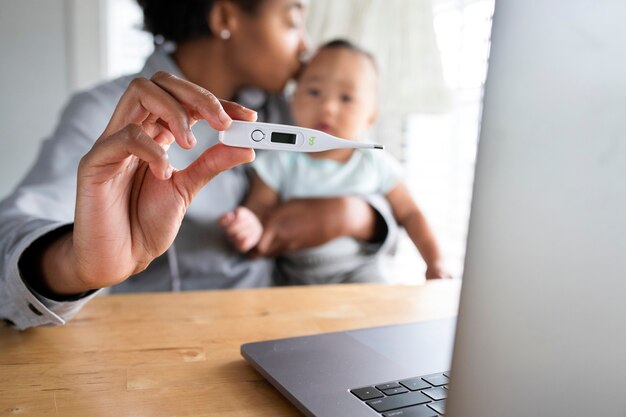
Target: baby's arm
<point>243,225</point>
<point>408,215</point>
<point>261,198</point>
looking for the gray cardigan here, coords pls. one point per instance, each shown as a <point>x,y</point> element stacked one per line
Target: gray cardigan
<point>45,199</point>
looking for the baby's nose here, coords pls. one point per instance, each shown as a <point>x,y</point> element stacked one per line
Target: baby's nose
<point>330,105</point>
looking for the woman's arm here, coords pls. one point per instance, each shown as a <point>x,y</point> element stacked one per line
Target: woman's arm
<point>305,223</point>
<point>408,215</point>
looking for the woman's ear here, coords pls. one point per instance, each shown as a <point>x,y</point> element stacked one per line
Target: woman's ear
<point>223,19</point>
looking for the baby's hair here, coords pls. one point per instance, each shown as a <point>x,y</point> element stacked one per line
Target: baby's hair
<point>346,44</point>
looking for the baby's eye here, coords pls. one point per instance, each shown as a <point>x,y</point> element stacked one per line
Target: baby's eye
<point>345,98</point>
<point>312,91</point>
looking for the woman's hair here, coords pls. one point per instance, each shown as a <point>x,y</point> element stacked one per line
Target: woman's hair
<point>179,21</point>
<point>346,44</point>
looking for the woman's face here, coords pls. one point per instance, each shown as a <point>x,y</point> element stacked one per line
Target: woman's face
<point>267,45</point>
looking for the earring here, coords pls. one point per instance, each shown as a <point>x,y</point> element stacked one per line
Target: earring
<point>225,34</point>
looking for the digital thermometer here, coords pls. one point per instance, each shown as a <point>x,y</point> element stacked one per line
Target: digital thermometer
<point>284,138</point>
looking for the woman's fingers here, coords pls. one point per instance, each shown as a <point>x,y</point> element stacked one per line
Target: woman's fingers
<point>202,103</point>
<point>176,104</point>
<point>267,245</point>
<point>115,150</point>
<point>145,100</point>
<point>239,112</point>
<point>214,160</point>
<point>167,103</point>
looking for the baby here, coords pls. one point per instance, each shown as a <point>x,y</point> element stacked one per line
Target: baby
<point>336,93</point>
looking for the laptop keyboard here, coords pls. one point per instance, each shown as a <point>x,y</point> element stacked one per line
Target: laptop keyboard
<point>423,396</point>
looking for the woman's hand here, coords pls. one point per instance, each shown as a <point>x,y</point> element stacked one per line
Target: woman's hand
<point>130,202</point>
<point>305,223</point>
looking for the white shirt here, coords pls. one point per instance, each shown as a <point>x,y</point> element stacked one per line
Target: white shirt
<point>298,175</point>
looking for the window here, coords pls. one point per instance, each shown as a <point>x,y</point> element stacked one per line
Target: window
<point>441,148</point>
<point>127,45</point>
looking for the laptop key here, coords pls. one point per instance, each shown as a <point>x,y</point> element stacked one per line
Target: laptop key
<point>417,411</point>
<point>367,393</point>
<point>415,384</point>
<point>398,401</point>
<point>387,386</point>
<point>437,393</point>
<point>438,406</point>
<point>437,379</point>
<point>395,391</point>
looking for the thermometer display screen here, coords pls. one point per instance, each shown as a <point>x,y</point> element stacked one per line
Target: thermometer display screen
<point>288,138</point>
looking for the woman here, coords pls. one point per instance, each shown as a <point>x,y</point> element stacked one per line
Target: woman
<point>64,236</point>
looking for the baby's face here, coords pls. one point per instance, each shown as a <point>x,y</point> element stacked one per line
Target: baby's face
<point>336,93</point>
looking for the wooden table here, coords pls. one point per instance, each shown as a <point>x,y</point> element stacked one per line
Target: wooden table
<point>177,354</point>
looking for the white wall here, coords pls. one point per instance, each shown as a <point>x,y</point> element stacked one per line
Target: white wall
<point>47,49</point>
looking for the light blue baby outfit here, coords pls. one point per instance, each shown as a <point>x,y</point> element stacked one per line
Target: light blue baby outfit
<point>297,175</point>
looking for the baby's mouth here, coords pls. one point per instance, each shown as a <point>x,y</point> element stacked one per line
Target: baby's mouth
<point>324,127</point>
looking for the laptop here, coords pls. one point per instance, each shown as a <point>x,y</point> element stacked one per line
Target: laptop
<point>541,329</point>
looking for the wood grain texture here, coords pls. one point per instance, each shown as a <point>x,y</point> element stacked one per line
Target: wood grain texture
<point>177,354</point>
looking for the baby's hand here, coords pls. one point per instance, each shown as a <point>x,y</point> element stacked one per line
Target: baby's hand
<point>437,271</point>
<point>243,228</point>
